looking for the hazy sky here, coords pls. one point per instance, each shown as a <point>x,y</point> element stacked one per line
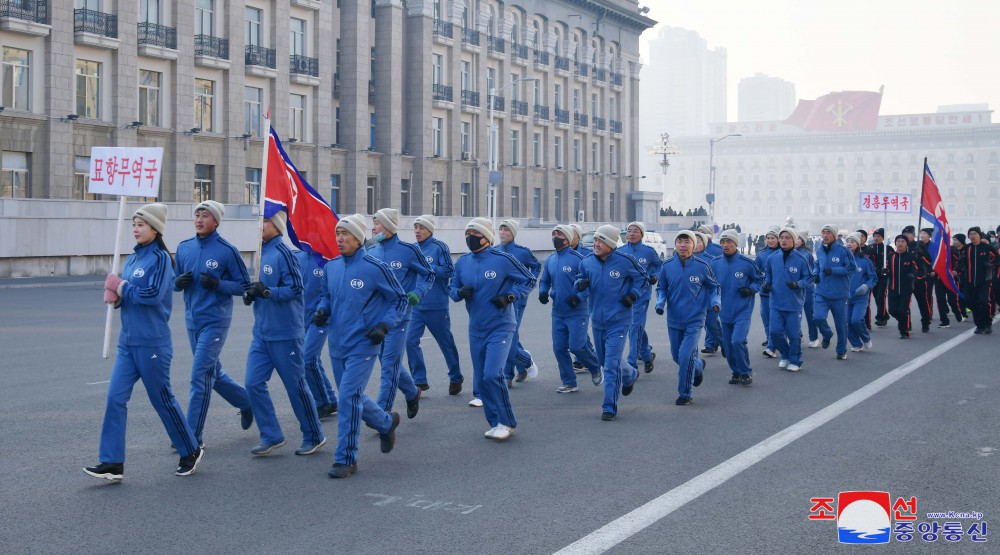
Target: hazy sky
<point>926,53</point>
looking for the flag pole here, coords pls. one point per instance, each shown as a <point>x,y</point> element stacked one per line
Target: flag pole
<point>923,175</point>
<point>115,268</point>
<point>260,195</point>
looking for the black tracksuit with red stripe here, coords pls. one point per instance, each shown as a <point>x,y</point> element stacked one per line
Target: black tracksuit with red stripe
<point>875,252</point>
<point>977,268</point>
<point>923,286</point>
<point>945,297</point>
<point>902,270</point>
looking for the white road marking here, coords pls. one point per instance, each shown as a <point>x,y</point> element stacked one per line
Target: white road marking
<point>626,526</point>
<point>99,383</point>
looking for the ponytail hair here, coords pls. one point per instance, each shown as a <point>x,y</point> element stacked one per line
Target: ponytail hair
<point>163,246</point>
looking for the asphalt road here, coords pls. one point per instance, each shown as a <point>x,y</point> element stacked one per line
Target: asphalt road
<point>444,489</point>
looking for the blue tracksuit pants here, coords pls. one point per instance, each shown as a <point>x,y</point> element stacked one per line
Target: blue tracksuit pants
<point>394,376</point>
<point>639,347</point>
<point>569,335</point>
<point>352,374</point>
<point>734,341</point>
<point>618,372</point>
<point>838,308</point>
<point>713,329</point>
<point>438,322</point>
<point>285,356</point>
<point>152,365</point>
<point>786,333</point>
<point>316,378</point>
<point>518,358</point>
<point>810,310</point>
<point>489,355</point>
<point>765,318</point>
<point>857,331</point>
<point>207,375</point>
<point>684,350</point>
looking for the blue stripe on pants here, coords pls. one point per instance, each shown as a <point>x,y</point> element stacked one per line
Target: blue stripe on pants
<point>394,376</point>
<point>286,357</point>
<point>610,344</point>
<point>786,333</point>
<point>838,308</point>
<point>734,341</point>
<point>569,335</point>
<point>316,378</point>
<point>438,322</point>
<point>489,354</point>
<point>765,318</point>
<point>207,375</point>
<point>352,374</point>
<point>713,329</point>
<point>857,332</point>
<point>684,350</point>
<point>639,347</point>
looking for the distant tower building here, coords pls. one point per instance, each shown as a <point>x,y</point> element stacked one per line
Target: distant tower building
<point>766,98</point>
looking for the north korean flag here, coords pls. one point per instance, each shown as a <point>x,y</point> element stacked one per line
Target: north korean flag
<point>932,210</point>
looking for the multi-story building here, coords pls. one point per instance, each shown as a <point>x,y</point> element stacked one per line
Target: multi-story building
<point>774,170</point>
<point>765,98</point>
<point>379,103</point>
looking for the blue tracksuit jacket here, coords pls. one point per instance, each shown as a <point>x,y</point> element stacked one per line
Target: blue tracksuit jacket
<point>618,275</point>
<point>205,308</point>
<point>761,262</point>
<point>147,299</point>
<point>584,250</point>
<point>526,258</point>
<point>732,273</point>
<point>312,282</point>
<point>280,316</point>
<point>648,259</point>
<point>713,249</point>
<point>842,265</point>
<point>408,265</point>
<point>687,289</point>
<point>783,267</point>
<point>864,274</point>
<point>558,277</point>
<point>437,254</point>
<point>490,272</point>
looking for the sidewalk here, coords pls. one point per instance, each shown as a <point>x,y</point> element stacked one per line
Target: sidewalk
<point>41,282</point>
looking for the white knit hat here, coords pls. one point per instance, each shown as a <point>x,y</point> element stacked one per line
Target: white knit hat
<point>352,226</point>
<point>154,214</point>
<point>856,237</point>
<point>706,230</point>
<point>831,228</point>
<point>427,221</point>
<point>687,233</point>
<point>607,234</point>
<point>640,225</point>
<point>791,231</point>
<point>705,238</point>
<point>512,225</point>
<point>731,235</point>
<point>577,230</point>
<point>216,209</point>
<point>389,218</point>
<point>773,230</point>
<point>565,230</point>
<point>280,221</point>
<point>482,225</point>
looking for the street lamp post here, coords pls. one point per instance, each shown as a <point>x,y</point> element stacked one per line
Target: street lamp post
<point>494,176</point>
<point>710,197</point>
<point>664,148</point>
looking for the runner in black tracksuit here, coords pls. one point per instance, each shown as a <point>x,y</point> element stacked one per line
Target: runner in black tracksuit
<point>977,266</point>
<point>923,286</point>
<point>946,298</point>
<point>901,270</point>
<point>877,252</point>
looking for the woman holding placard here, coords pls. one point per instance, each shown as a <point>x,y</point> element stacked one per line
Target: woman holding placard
<point>145,297</point>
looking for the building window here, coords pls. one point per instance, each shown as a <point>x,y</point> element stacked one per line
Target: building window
<point>253,98</point>
<point>593,105</point>
<point>297,37</point>
<point>536,146</point>
<point>437,62</point>
<point>536,203</point>
<point>404,197</point>
<point>251,185</point>
<point>594,165</point>
<point>612,207</point>
<point>149,11</point>
<point>335,193</point>
<point>466,139</point>
<point>88,89</point>
<point>81,178</point>
<point>515,145</point>
<point>16,79</point>
<point>466,75</point>
<point>204,93</point>
<point>612,114</point>
<point>594,205</point>
<point>437,136</point>
<point>254,33</point>
<point>436,188</point>
<point>577,207</point>
<point>558,97</point>
<point>515,89</point>
<point>491,79</point>
<point>336,130</point>
<point>203,182</point>
<point>612,160</point>
<point>576,100</point>
<point>558,201</point>
<point>296,116</point>
<point>370,197</point>
<point>515,202</point>
<point>558,153</point>
<point>465,199</point>
<point>204,17</point>
<point>576,154</point>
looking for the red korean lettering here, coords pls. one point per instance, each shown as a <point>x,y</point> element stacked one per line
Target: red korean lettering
<point>111,168</point>
<point>905,510</point>
<point>98,170</point>
<point>151,171</point>
<point>822,508</point>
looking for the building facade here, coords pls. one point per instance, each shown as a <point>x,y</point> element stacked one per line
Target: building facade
<point>765,98</point>
<point>378,103</point>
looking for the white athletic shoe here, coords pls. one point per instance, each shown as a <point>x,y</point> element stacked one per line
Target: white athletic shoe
<point>533,369</point>
<point>489,433</point>
<point>814,344</point>
<point>783,364</point>
<point>501,432</point>
<point>868,345</point>
<point>769,353</point>
<point>794,367</point>
<point>476,402</point>
<point>857,349</point>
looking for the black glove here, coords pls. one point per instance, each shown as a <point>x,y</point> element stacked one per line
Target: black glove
<point>659,311</point>
<point>543,297</point>
<point>628,300</point>
<point>827,271</point>
<point>248,297</point>
<point>502,300</point>
<point>767,288</point>
<point>883,272</point>
<point>465,292</point>
<point>909,276</point>
<point>184,280</point>
<point>653,279</point>
<point>792,284</point>
<point>816,278</point>
<point>260,290</point>
<point>746,292</point>
<point>583,284</point>
<point>210,282</point>
<point>378,333</point>
<point>321,317</point>
<point>573,301</point>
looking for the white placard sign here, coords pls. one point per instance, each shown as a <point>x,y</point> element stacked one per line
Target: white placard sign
<point>125,171</point>
<point>892,203</point>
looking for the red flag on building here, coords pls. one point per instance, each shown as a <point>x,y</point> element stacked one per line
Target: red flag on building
<point>839,111</point>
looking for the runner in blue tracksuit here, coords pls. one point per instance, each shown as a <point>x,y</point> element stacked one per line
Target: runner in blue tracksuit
<point>614,281</point>
<point>519,359</point>
<point>569,311</point>
<point>687,288</point>
<point>834,267</point>
<point>210,272</point>
<point>809,300</point>
<point>319,384</point>
<point>144,347</point>
<point>739,280</point>
<point>640,347</point>
<point>786,277</point>
<point>433,312</point>
<point>863,282</point>
<point>771,242</point>
<point>416,277</point>
<point>490,281</point>
<point>365,301</point>
<point>278,332</point>
<point>575,244</point>
<point>713,327</point>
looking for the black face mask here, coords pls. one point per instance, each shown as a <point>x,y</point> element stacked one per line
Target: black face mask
<point>474,242</point>
<point>558,242</point>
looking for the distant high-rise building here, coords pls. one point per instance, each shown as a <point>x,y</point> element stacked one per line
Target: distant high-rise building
<point>766,98</point>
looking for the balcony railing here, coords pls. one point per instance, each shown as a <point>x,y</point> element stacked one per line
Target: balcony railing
<point>470,98</point>
<point>498,103</point>
<point>562,116</point>
<point>579,120</point>
<point>617,79</point>
<point>599,123</point>
<point>444,29</point>
<point>207,45</point>
<point>541,58</point>
<point>442,92</point>
<point>259,56</point>
<point>562,63</point>
<point>581,69</point>
<point>36,11</point>
<point>470,36</point>
<point>99,23</point>
<point>371,90</point>
<point>496,44</point>
<point>541,113</point>
<point>616,127</point>
<point>519,108</point>
<point>303,65</point>
<point>599,73</point>
<point>336,85</point>
<point>157,35</point>
<point>519,51</point>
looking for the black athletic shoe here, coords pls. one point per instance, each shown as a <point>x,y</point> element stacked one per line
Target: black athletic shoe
<point>698,379</point>
<point>746,380</point>
<point>423,386</point>
<point>881,323</point>
<point>342,470</point>
<point>842,357</point>
<point>945,324</point>
<point>648,366</point>
<point>510,384</point>
<point>607,416</point>
<point>763,343</point>
<point>826,343</point>
<point>521,376</point>
<point>112,472</point>
<point>627,389</point>
<point>187,464</point>
<point>904,335</point>
<point>734,380</point>
<point>925,329</point>
<point>681,401</point>
<point>413,405</point>
<point>326,411</point>
<point>709,350</point>
<point>988,330</point>
<point>454,388</point>
<point>388,439</point>
<point>246,418</point>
